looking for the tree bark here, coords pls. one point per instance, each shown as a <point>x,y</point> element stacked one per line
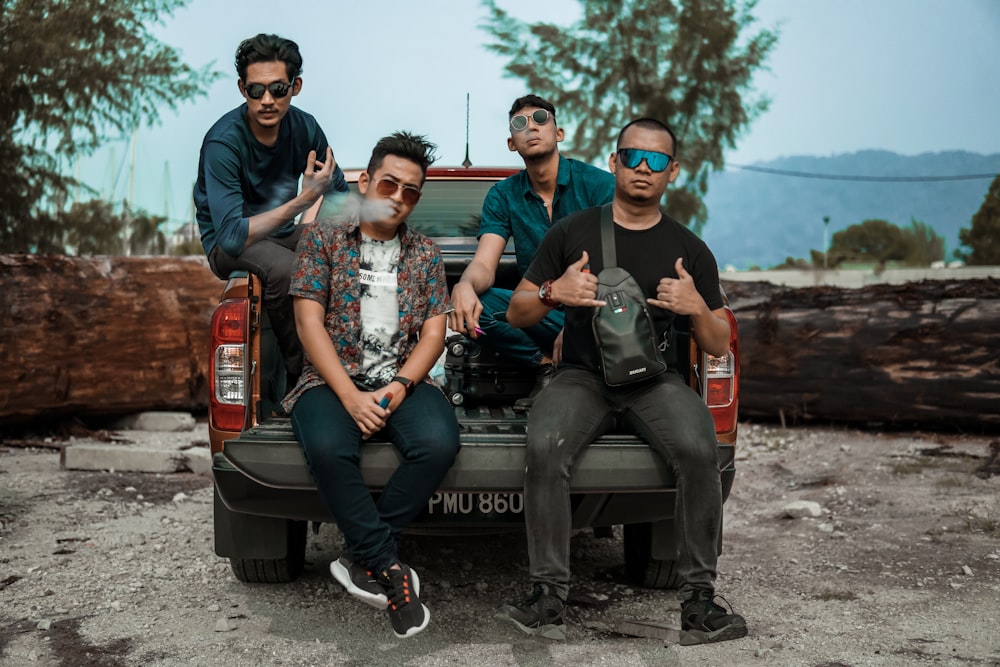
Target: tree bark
<point>103,335</point>
<point>923,353</point>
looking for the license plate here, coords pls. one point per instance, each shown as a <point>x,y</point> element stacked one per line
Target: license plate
<point>484,505</point>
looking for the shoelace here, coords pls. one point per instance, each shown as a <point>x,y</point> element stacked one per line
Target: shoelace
<point>399,594</point>
<point>704,612</point>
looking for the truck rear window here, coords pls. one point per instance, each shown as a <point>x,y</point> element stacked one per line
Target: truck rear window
<point>447,209</point>
<point>450,208</point>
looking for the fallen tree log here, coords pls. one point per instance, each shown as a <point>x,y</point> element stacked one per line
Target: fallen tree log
<point>96,336</point>
<point>86,336</point>
<point>919,354</point>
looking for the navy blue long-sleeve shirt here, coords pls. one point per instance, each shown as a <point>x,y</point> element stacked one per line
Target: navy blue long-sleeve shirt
<point>239,177</point>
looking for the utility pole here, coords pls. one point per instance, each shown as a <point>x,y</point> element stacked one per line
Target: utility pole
<point>826,247</point>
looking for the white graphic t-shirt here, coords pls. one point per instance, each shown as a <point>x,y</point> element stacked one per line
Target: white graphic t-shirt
<point>379,308</point>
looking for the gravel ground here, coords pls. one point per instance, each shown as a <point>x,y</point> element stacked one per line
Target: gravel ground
<point>894,559</point>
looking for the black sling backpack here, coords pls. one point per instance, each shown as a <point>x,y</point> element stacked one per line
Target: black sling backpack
<point>623,327</point>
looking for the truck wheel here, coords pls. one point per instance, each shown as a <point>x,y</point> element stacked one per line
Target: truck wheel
<point>275,570</point>
<point>641,568</point>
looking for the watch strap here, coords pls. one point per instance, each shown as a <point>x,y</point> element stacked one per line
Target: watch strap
<point>407,383</point>
<point>545,294</point>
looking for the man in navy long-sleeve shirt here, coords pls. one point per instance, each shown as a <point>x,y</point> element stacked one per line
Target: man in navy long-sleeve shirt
<point>247,194</point>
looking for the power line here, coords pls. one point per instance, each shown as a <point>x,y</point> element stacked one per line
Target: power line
<point>875,179</point>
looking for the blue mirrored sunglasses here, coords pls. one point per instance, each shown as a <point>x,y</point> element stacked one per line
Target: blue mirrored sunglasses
<point>655,160</point>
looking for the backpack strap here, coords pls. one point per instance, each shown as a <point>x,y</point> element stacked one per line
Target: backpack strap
<point>608,252</point>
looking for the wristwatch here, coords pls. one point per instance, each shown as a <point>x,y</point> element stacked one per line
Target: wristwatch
<point>545,294</point>
<point>407,383</point>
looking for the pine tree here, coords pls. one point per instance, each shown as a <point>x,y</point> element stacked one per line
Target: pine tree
<point>688,63</point>
<point>75,73</point>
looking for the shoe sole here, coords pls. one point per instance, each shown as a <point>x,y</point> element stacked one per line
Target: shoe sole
<point>553,632</point>
<point>380,602</point>
<point>343,577</point>
<point>695,637</point>
<point>416,628</point>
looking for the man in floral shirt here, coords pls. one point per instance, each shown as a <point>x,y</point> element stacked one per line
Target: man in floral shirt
<point>370,299</point>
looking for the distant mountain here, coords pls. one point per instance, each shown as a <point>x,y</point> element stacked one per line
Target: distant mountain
<point>760,219</point>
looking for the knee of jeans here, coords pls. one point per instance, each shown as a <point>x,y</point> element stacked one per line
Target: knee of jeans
<point>494,304</point>
<point>276,289</point>
<point>545,458</point>
<point>699,451</point>
<point>324,456</point>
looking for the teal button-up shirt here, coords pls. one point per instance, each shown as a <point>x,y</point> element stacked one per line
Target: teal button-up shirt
<point>512,208</point>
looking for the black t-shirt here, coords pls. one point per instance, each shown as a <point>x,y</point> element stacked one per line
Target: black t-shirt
<point>648,254</point>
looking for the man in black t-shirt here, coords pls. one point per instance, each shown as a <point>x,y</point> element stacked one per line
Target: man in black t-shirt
<point>680,276</point>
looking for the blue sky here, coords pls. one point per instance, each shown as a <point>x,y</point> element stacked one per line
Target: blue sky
<point>910,76</point>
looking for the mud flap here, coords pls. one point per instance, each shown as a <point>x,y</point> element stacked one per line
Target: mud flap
<point>246,536</point>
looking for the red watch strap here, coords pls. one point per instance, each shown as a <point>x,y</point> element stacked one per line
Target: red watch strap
<point>545,294</point>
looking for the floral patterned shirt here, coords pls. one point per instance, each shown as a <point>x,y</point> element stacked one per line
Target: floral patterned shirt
<point>327,270</point>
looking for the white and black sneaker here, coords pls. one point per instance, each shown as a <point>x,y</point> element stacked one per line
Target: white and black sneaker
<point>407,614</point>
<point>362,583</point>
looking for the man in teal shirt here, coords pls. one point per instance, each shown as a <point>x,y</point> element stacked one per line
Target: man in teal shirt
<point>524,206</point>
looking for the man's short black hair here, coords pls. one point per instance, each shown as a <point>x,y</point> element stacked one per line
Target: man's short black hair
<point>268,49</point>
<point>412,147</point>
<point>531,101</point>
<point>649,124</point>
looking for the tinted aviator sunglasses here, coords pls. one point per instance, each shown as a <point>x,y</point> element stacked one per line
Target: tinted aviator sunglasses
<point>278,89</point>
<point>387,188</point>
<point>633,157</point>
<point>520,121</point>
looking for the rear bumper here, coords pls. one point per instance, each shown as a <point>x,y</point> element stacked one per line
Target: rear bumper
<point>617,479</point>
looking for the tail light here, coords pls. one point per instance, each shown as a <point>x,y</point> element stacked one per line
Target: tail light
<point>721,377</point>
<point>229,372</point>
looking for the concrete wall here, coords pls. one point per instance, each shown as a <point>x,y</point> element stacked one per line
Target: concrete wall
<point>859,277</point>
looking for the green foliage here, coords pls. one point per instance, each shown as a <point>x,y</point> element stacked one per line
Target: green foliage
<point>88,228</point>
<point>145,236</point>
<point>925,246</point>
<point>794,263</point>
<point>93,228</point>
<point>983,237</point>
<point>75,73</point>
<point>687,62</point>
<point>187,248</point>
<point>880,241</point>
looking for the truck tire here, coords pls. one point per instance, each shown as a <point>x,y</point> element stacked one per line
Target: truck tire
<point>275,570</point>
<point>640,566</point>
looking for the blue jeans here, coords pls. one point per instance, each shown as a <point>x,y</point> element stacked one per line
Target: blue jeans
<point>424,430</point>
<point>526,345</point>
<point>576,408</point>
<point>272,260</point>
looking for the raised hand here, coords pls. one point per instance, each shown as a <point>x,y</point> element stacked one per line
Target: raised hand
<point>577,286</point>
<point>679,294</point>
<point>317,176</point>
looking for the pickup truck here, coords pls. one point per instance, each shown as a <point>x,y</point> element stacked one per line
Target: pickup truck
<point>265,496</point>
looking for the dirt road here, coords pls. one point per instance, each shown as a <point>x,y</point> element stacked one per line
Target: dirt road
<point>900,565</point>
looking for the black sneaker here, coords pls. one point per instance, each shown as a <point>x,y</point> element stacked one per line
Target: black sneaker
<point>542,378</point>
<point>704,622</point>
<point>542,614</point>
<point>362,583</point>
<point>407,614</point>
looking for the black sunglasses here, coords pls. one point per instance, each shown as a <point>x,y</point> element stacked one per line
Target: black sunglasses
<point>520,121</point>
<point>655,160</point>
<point>278,89</point>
